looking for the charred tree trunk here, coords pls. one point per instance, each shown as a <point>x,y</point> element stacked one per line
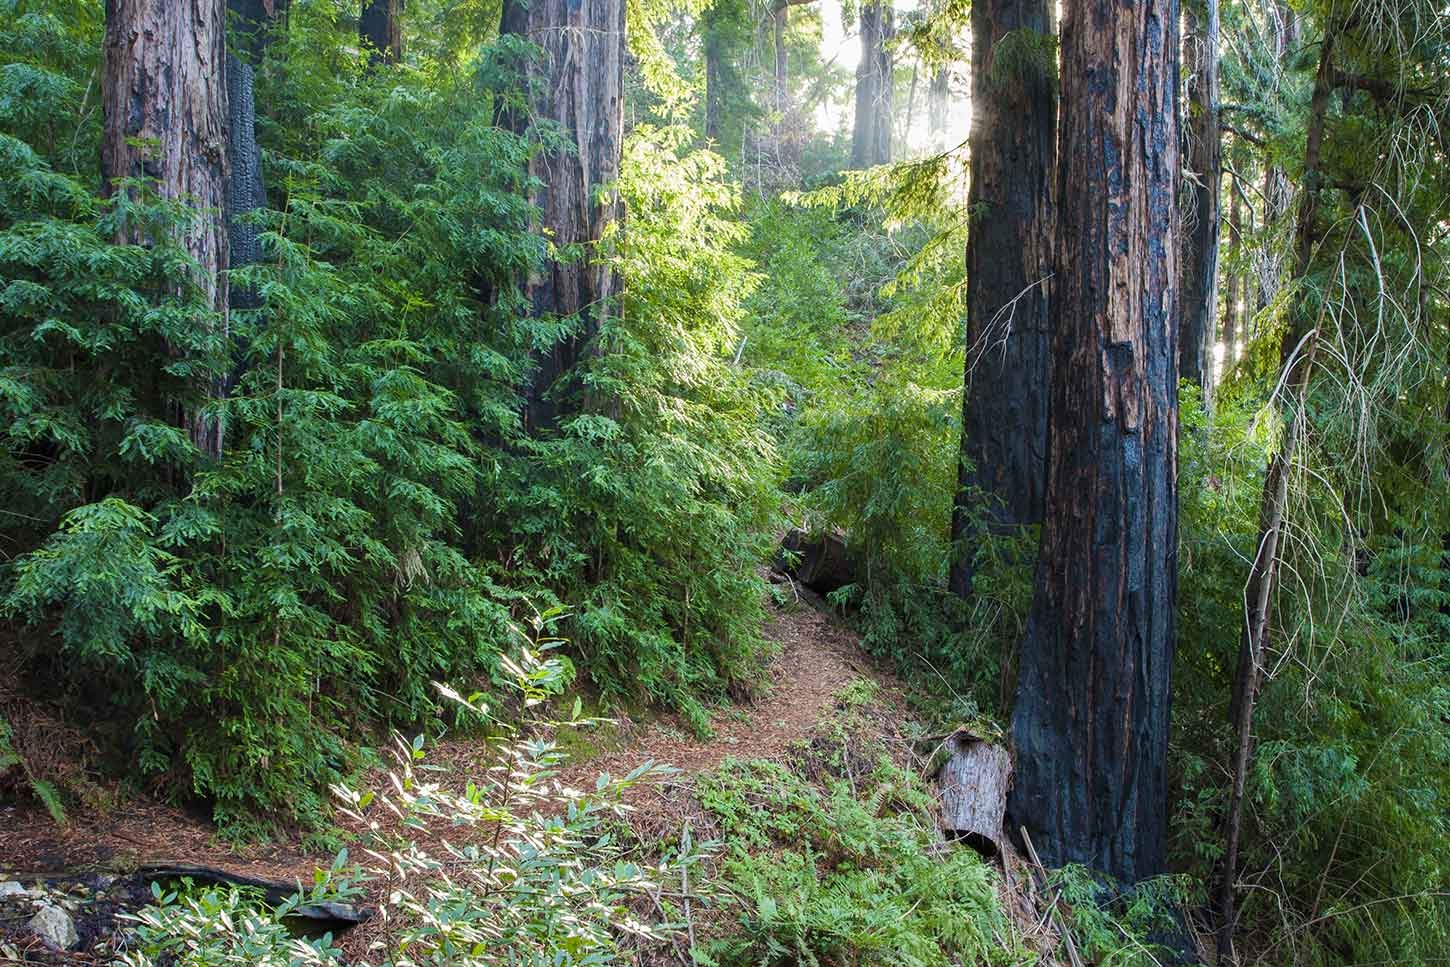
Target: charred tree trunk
<point>380,28</point>
<point>246,190</point>
<point>871,139</point>
<point>578,83</point>
<point>1090,722</point>
<point>164,101</point>
<point>1198,291</point>
<point>1003,468</point>
<point>1297,354</point>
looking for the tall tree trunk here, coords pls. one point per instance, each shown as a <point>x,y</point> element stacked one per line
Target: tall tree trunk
<point>578,83</point>
<point>1231,306</point>
<point>164,102</point>
<point>246,190</point>
<point>871,139</point>
<point>780,19</point>
<point>1090,722</point>
<point>1197,294</point>
<point>714,77</point>
<point>1297,354</point>
<point>1003,470</point>
<point>380,27</point>
<point>938,104</point>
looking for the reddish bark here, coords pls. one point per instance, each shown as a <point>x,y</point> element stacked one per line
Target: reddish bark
<point>578,83</point>
<point>164,102</point>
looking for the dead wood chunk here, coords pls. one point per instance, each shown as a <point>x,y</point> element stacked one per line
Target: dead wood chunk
<point>819,561</point>
<point>974,782</point>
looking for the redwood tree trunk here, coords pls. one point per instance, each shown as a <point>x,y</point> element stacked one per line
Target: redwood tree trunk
<point>578,83</point>
<point>1090,722</point>
<point>871,139</point>
<point>1197,295</point>
<point>164,103</point>
<point>1009,260</point>
<point>381,30</point>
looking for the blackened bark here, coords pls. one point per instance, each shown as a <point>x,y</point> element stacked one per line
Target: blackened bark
<point>1090,722</point>
<point>1002,475</point>
<point>164,103</point>
<point>1297,353</point>
<point>245,190</point>
<point>252,26</point>
<point>871,138</point>
<point>380,27</point>
<point>577,82</point>
<point>1198,292</point>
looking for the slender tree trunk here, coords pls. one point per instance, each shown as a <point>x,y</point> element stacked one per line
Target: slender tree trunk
<point>1231,308</point>
<point>380,27</point>
<point>578,83</point>
<point>1297,355</point>
<point>1090,722</point>
<point>1197,294</point>
<point>938,104</point>
<point>165,118</point>
<point>714,79</point>
<point>246,190</point>
<point>871,140</point>
<point>780,19</point>
<point>1003,469</point>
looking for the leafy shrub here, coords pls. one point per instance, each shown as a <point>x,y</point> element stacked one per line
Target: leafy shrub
<point>381,517</point>
<point>843,873</point>
<point>500,867</point>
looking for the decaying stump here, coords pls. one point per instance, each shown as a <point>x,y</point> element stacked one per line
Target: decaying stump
<point>819,561</point>
<point>974,782</point>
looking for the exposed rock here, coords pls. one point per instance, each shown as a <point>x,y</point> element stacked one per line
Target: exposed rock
<point>11,888</point>
<point>54,926</point>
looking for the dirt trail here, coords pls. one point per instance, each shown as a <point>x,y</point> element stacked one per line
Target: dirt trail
<point>817,656</point>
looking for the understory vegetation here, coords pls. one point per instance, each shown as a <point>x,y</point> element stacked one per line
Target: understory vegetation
<point>250,632</point>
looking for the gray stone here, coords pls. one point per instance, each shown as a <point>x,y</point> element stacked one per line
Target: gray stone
<point>11,888</point>
<point>55,927</point>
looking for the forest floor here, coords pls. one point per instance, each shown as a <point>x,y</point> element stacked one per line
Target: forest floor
<point>816,656</point>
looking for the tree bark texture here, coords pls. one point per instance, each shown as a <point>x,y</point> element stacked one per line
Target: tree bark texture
<point>380,28</point>
<point>1297,354</point>
<point>251,22</point>
<point>1090,722</point>
<point>164,103</point>
<point>973,783</point>
<point>1002,475</point>
<point>1198,292</point>
<point>871,139</point>
<point>578,83</point>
